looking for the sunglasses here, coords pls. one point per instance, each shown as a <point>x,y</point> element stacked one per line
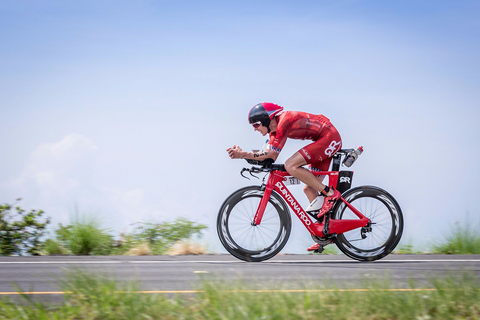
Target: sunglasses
<point>256,124</point>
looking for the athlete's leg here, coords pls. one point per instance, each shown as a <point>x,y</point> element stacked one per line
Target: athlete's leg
<point>310,192</point>
<point>294,167</point>
<point>324,165</point>
<point>319,156</point>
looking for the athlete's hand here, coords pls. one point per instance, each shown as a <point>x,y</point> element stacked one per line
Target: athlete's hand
<point>235,152</point>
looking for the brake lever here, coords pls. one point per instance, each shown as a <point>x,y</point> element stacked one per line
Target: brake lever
<point>250,170</point>
<point>243,170</point>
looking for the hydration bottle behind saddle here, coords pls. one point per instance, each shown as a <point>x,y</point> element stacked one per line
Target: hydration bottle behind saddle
<point>352,156</point>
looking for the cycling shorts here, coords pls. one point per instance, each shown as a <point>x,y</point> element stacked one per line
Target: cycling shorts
<point>319,153</point>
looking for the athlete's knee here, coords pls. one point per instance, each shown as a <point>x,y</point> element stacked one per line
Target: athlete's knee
<point>294,163</point>
<point>290,166</point>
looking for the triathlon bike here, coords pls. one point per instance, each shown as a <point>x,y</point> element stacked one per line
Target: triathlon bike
<point>254,223</point>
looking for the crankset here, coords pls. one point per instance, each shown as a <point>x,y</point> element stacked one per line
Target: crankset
<point>322,242</point>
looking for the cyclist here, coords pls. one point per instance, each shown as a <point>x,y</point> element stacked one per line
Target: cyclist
<point>270,118</point>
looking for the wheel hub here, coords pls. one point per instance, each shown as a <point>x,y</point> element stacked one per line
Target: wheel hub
<point>365,230</point>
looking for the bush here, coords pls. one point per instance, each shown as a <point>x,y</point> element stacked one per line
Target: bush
<point>161,236</point>
<point>53,247</point>
<point>85,237</point>
<point>20,231</point>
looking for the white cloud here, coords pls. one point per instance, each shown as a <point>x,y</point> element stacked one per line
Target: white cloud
<point>53,169</point>
<point>54,176</point>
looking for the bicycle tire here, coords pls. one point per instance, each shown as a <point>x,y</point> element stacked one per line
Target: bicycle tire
<point>386,217</point>
<point>238,235</point>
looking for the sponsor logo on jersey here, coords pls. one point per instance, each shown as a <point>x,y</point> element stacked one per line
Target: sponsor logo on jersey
<point>275,149</point>
<point>305,152</point>
<point>332,147</point>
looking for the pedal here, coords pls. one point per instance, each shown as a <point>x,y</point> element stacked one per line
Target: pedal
<point>319,250</point>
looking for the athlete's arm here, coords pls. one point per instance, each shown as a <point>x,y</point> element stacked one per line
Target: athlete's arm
<point>237,153</point>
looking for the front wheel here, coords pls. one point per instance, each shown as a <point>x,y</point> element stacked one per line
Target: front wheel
<point>246,241</point>
<point>382,235</point>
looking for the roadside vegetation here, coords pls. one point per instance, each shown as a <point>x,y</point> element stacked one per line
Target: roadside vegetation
<point>85,236</point>
<point>20,230</point>
<point>23,233</point>
<point>404,249</point>
<point>159,238</point>
<point>462,239</point>
<point>97,297</point>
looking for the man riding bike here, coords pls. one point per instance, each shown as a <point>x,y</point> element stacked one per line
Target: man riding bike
<point>270,118</point>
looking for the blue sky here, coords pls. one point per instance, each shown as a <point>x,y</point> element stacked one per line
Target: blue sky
<point>125,108</point>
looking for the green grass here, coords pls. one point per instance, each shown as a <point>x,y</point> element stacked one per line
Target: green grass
<point>461,240</point>
<point>96,297</point>
<point>85,236</point>
<point>331,249</point>
<point>407,248</point>
<point>53,247</point>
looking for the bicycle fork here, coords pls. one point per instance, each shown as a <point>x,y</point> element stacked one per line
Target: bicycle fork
<point>272,179</point>
<point>263,204</point>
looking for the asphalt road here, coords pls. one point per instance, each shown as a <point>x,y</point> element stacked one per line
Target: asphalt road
<point>164,274</point>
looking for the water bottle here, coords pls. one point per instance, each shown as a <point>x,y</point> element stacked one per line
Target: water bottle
<point>352,156</point>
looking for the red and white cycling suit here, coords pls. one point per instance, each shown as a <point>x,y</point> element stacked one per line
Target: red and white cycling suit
<point>306,126</point>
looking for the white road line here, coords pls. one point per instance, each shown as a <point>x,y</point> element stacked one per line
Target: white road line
<point>60,262</point>
<point>223,262</point>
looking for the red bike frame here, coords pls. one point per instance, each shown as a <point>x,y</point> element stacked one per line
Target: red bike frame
<point>275,182</point>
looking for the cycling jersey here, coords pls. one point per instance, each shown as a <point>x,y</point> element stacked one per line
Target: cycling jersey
<point>306,126</point>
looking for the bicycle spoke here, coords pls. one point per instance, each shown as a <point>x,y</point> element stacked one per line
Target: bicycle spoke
<point>378,212</point>
<point>250,237</point>
<point>247,213</point>
<point>266,231</point>
<point>260,235</point>
<point>241,228</point>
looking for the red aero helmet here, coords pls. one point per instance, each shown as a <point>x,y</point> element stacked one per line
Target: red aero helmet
<point>263,113</point>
